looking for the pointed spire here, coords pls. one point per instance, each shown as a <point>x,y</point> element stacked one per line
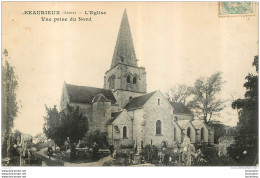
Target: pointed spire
<point>124,50</point>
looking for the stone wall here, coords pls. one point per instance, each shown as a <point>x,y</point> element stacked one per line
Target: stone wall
<point>157,108</point>
<point>178,132</point>
<point>64,98</point>
<point>116,138</point>
<point>101,112</point>
<point>97,113</point>
<point>123,90</point>
<point>122,96</point>
<point>192,132</point>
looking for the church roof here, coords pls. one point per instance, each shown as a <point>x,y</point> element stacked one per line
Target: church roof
<point>100,97</point>
<point>138,102</point>
<point>183,123</point>
<point>124,50</point>
<point>85,94</point>
<point>197,123</point>
<point>180,108</point>
<point>114,115</point>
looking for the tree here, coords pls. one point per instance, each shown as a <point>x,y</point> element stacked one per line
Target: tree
<point>95,137</point>
<point>67,123</point>
<point>52,124</point>
<point>179,93</point>
<point>245,149</point>
<point>205,103</point>
<point>9,102</point>
<point>74,123</point>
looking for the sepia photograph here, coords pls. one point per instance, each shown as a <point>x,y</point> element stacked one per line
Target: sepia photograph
<point>167,84</point>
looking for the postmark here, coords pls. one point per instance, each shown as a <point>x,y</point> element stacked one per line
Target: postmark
<point>236,9</point>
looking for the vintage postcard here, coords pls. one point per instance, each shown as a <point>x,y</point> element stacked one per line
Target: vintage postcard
<point>129,84</point>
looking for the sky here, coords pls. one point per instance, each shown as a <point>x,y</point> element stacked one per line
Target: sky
<point>177,42</point>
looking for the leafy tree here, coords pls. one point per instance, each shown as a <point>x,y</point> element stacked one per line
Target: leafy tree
<point>73,123</point>
<point>245,149</point>
<point>52,125</point>
<point>220,130</point>
<point>95,137</point>
<point>205,103</point>
<point>179,93</point>
<point>9,102</point>
<point>67,123</point>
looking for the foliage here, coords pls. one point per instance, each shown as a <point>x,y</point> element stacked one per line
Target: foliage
<point>129,146</point>
<point>200,98</point>
<point>9,102</point>
<point>150,152</point>
<point>51,123</point>
<point>205,103</point>
<point>73,123</point>
<point>209,152</point>
<point>220,130</point>
<point>68,123</point>
<point>95,137</point>
<point>245,149</point>
<point>179,93</point>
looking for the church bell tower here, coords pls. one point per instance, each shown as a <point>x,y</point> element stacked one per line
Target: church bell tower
<point>125,78</point>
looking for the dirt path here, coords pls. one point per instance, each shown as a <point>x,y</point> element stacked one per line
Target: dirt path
<point>97,163</point>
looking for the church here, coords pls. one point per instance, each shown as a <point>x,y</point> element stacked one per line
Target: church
<point>126,112</point>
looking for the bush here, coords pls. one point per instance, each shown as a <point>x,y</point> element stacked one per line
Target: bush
<point>122,155</point>
<point>95,136</point>
<point>130,146</point>
<point>150,153</point>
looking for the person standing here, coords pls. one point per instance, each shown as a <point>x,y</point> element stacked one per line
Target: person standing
<point>49,152</point>
<point>111,149</point>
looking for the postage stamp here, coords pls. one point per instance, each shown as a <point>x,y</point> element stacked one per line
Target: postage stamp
<point>233,9</point>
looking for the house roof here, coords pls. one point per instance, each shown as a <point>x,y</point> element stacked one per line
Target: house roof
<point>183,123</point>
<point>180,108</point>
<point>197,123</point>
<point>139,101</point>
<point>100,97</point>
<point>85,94</point>
<point>114,115</point>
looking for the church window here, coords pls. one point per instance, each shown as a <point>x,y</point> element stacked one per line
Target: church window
<point>112,82</point>
<point>128,79</point>
<point>158,101</point>
<point>202,134</point>
<point>174,132</point>
<point>188,132</point>
<point>158,127</point>
<point>134,80</point>
<point>124,132</point>
<point>122,59</point>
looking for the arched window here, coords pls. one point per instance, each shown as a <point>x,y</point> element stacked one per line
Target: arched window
<point>122,59</point>
<point>158,127</point>
<point>188,132</point>
<point>174,136</point>
<point>128,79</point>
<point>135,80</point>
<point>130,98</point>
<point>112,82</point>
<point>202,134</point>
<point>124,132</point>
